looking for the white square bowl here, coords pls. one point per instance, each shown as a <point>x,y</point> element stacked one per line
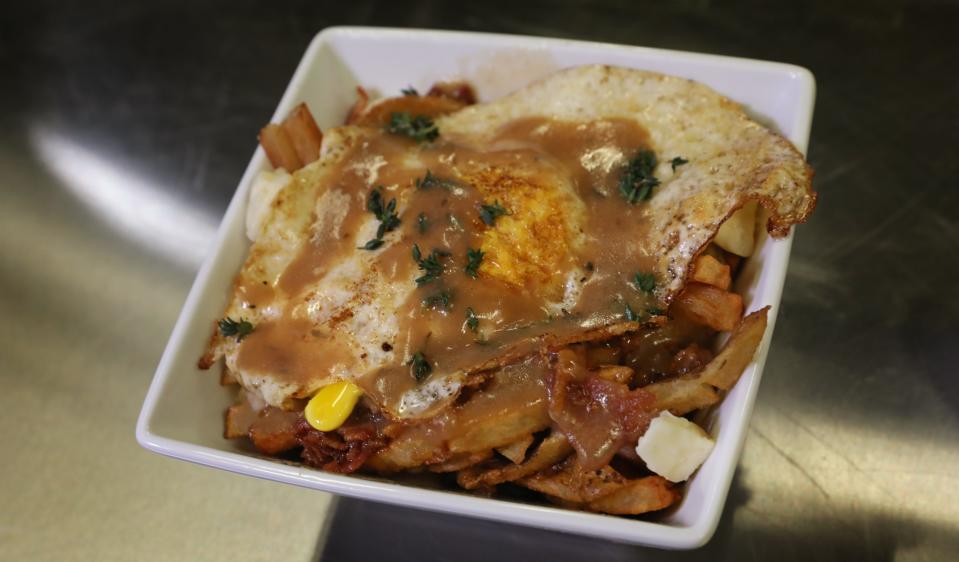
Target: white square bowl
<point>182,415</point>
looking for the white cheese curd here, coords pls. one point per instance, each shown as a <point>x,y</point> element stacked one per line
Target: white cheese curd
<point>674,447</point>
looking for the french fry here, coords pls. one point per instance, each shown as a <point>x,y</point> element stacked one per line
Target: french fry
<point>738,233</point>
<point>474,426</point>
<point>273,430</point>
<point>359,107</point>
<point>460,461</point>
<point>616,373</point>
<point>501,430</point>
<point>683,395</point>
<point>239,418</point>
<point>710,306</point>
<point>724,370</point>
<point>552,450</point>
<point>642,495</point>
<point>516,451</point>
<point>304,134</point>
<point>573,483</point>
<point>709,270</point>
<point>279,148</point>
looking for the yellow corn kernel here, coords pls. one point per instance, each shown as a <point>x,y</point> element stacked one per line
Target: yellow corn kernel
<point>330,407</point>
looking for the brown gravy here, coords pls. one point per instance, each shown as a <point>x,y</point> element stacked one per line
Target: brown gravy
<point>559,178</point>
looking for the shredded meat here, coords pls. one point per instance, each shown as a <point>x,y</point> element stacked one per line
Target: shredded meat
<point>344,450</point>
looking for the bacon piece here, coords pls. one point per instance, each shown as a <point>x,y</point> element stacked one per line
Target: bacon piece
<point>344,450</point>
<point>459,91</point>
<point>597,415</point>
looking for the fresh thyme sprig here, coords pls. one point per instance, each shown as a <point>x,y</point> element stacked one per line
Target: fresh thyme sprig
<point>645,282</point>
<point>420,367</point>
<point>489,213</point>
<point>637,182</point>
<point>472,321</point>
<point>420,128</point>
<point>231,328</point>
<point>429,180</point>
<point>473,260</point>
<point>430,265</point>
<point>385,213</point>
<point>440,300</point>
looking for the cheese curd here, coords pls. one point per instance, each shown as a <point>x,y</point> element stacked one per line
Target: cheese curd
<point>674,447</point>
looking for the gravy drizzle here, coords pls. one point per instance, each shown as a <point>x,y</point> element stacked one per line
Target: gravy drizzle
<point>560,261</point>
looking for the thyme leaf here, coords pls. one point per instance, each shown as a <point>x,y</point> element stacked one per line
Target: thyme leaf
<point>472,321</point>
<point>474,259</point>
<point>231,328</point>
<point>430,265</point>
<point>637,182</point>
<point>489,213</point>
<point>420,128</point>
<point>645,282</point>
<point>440,300</point>
<point>420,367</point>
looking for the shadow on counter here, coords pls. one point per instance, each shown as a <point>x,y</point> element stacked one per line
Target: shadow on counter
<point>363,531</point>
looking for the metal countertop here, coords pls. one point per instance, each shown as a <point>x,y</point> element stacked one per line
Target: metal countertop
<point>124,129</point>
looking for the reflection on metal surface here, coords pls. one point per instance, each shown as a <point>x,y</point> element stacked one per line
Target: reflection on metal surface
<point>138,208</point>
<point>853,449</point>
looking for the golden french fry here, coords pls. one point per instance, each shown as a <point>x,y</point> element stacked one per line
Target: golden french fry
<point>552,450</point>
<point>572,483</point>
<point>480,424</point>
<point>616,373</point>
<point>304,134</point>
<point>460,461</point>
<point>501,430</point>
<point>636,496</point>
<point>710,306</point>
<point>516,451</point>
<point>724,370</point>
<point>358,107</point>
<point>273,430</point>
<point>279,148</point>
<point>738,233</point>
<point>709,270</point>
<point>239,418</point>
<point>683,395</point>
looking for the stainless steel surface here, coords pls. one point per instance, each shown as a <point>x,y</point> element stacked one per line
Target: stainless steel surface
<point>124,129</point>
